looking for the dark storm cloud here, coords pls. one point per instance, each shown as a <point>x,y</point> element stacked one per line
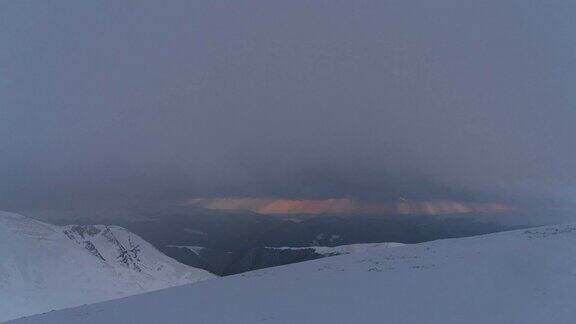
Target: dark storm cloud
<point>133,102</point>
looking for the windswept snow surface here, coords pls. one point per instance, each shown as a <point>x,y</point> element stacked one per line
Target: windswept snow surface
<point>526,276</point>
<point>45,267</point>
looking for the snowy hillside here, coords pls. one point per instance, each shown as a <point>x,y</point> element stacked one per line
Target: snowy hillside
<point>45,267</point>
<point>525,276</point>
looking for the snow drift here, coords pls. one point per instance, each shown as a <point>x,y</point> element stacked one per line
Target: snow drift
<point>525,276</point>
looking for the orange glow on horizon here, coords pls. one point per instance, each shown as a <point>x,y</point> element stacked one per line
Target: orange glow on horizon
<point>344,205</point>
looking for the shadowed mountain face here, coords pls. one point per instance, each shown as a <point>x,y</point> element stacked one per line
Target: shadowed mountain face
<point>229,243</point>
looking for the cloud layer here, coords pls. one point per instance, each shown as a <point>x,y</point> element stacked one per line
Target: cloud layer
<point>137,102</point>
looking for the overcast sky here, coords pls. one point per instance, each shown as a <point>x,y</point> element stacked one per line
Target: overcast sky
<point>127,103</point>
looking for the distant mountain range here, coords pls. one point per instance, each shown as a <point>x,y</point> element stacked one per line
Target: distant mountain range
<point>261,257</point>
<point>234,242</point>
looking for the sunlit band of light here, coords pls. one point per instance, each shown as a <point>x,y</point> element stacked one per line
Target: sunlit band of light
<point>344,205</point>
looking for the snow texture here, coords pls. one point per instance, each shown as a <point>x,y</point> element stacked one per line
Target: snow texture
<point>525,276</point>
<point>45,267</point>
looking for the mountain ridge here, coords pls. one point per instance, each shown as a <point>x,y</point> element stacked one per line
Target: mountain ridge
<point>521,276</point>
<point>45,267</point>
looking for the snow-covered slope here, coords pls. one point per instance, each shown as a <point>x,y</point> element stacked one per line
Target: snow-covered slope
<point>45,267</point>
<point>526,276</point>
<point>342,249</point>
